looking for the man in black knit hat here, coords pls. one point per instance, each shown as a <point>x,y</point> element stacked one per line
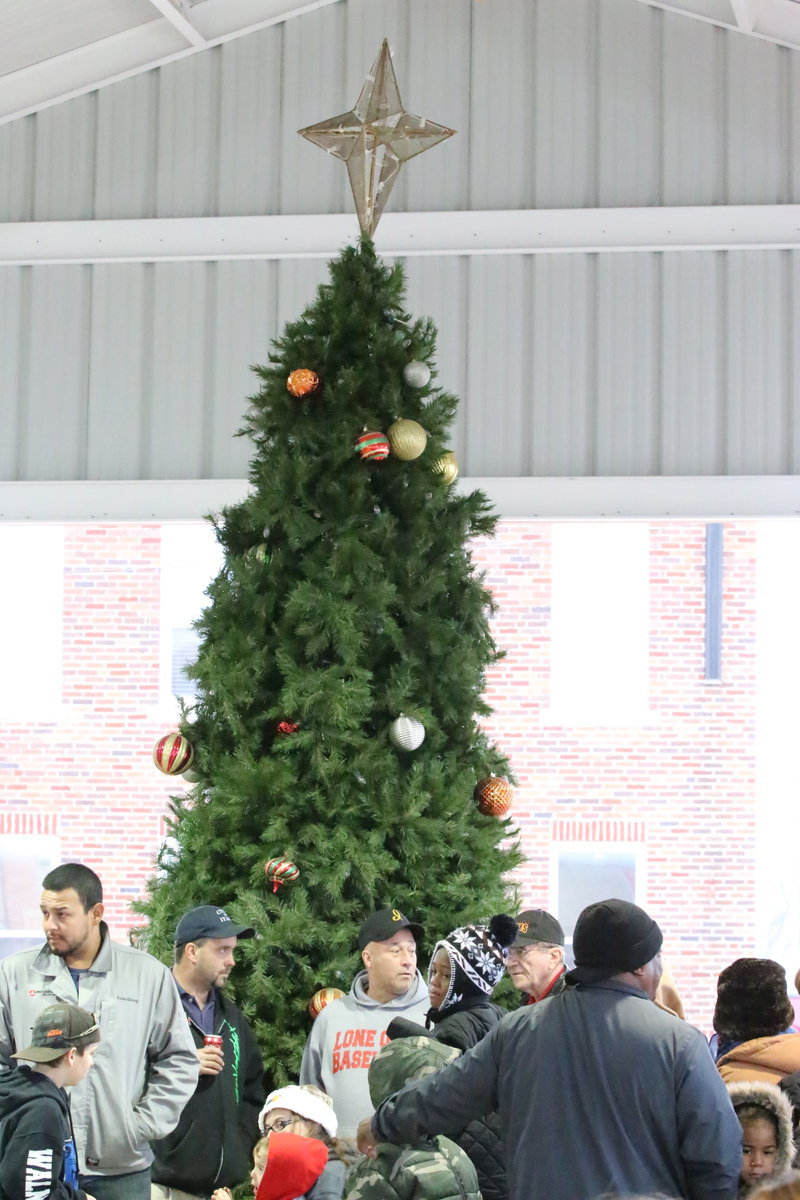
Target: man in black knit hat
<point>600,1091</point>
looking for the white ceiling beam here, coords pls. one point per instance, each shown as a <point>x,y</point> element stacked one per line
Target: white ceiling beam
<point>183,25</point>
<point>776,21</point>
<point>154,44</point>
<point>530,231</point>
<point>638,497</point>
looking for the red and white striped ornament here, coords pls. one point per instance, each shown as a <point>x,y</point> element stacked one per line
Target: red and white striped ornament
<point>373,445</point>
<point>173,754</point>
<point>279,871</point>
<point>324,996</point>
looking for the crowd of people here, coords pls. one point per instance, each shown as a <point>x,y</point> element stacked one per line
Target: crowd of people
<point>409,1087</point>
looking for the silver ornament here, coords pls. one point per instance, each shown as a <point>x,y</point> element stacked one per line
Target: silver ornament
<point>416,374</point>
<point>406,733</point>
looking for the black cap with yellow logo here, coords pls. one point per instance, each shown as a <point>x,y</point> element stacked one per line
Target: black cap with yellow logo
<point>385,924</point>
<point>536,925</point>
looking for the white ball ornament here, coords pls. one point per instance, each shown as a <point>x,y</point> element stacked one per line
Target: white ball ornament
<point>417,374</point>
<point>406,733</point>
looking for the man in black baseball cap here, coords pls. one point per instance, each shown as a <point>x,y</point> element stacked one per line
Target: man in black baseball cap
<point>536,957</point>
<point>602,1092</point>
<point>348,1032</point>
<point>211,1145</point>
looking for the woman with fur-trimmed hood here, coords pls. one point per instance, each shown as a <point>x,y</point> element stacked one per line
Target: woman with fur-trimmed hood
<point>765,1115</point>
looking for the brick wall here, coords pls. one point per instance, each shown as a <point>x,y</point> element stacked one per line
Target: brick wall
<point>680,786</point>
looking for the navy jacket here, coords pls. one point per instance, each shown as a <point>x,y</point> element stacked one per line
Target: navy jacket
<point>599,1092</point>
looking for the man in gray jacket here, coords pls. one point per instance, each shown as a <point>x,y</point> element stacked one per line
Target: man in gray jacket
<point>145,1069</point>
<point>600,1092</point>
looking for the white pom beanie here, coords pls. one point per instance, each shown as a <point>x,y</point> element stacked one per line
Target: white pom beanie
<point>306,1104</point>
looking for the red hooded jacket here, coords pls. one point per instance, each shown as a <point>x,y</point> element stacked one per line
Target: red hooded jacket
<point>294,1164</point>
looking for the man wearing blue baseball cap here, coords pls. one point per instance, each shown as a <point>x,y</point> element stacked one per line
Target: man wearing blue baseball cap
<point>210,1148</point>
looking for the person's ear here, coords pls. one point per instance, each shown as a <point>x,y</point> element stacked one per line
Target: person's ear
<point>366,958</point>
<point>96,912</point>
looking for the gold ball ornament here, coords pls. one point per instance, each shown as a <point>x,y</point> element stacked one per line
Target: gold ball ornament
<point>493,796</point>
<point>303,382</point>
<point>323,997</point>
<point>407,439</point>
<point>447,467</point>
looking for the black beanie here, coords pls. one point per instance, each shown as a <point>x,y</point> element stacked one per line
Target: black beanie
<point>610,937</point>
<point>752,1000</point>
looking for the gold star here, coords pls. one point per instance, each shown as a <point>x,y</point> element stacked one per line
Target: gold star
<point>375,139</point>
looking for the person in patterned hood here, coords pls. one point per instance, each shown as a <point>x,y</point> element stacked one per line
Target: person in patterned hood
<point>465,968</point>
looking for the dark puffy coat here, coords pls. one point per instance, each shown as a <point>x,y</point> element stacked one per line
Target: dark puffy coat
<point>463,1026</point>
<point>790,1085</point>
<point>211,1145</point>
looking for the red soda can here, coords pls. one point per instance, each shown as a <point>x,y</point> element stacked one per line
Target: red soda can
<point>212,1039</point>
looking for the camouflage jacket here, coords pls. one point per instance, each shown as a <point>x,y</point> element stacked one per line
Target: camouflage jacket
<point>432,1170</point>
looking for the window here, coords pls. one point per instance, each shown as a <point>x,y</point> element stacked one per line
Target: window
<point>583,874</point>
<point>600,624</point>
<point>24,861</point>
<point>190,558</point>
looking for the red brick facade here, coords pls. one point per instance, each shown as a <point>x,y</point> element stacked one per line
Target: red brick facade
<point>679,788</point>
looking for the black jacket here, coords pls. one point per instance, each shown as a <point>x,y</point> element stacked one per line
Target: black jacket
<point>36,1140</point>
<point>211,1145</point>
<point>463,1026</point>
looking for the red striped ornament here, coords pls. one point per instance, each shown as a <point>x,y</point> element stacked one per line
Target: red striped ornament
<point>173,754</point>
<point>373,445</point>
<point>279,871</point>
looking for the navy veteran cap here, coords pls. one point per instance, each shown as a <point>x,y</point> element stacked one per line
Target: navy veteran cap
<point>385,924</point>
<point>208,922</point>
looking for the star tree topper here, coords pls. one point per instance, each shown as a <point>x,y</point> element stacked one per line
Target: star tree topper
<point>375,139</point>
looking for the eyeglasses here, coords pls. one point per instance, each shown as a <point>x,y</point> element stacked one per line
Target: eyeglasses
<point>520,952</point>
<point>279,1125</point>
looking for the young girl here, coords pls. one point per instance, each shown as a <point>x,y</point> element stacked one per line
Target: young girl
<point>285,1167</point>
<point>766,1119</point>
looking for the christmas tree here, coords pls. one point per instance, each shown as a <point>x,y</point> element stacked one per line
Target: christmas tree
<point>346,624</point>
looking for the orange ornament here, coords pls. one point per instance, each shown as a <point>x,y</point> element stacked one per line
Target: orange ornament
<point>303,382</point>
<point>321,998</point>
<point>493,796</point>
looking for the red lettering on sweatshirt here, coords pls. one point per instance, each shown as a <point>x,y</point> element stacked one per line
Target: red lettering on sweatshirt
<point>346,1059</point>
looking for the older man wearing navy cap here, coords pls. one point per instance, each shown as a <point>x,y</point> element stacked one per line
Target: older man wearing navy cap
<point>350,1031</point>
<point>219,1126</point>
<point>601,1092</point>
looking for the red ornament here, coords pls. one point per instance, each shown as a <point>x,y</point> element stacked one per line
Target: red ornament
<point>303,382</point>
<point>493,796</point>
<point>373,445</point>
<point>279,871</point>
<point>321,998</point>
<point>173,753</point>
<point>287,727</point>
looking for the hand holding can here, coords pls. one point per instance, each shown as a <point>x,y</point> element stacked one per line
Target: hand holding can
<point>210,1055</point>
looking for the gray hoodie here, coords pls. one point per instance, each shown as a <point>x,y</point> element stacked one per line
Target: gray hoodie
<point>345,1038</point>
